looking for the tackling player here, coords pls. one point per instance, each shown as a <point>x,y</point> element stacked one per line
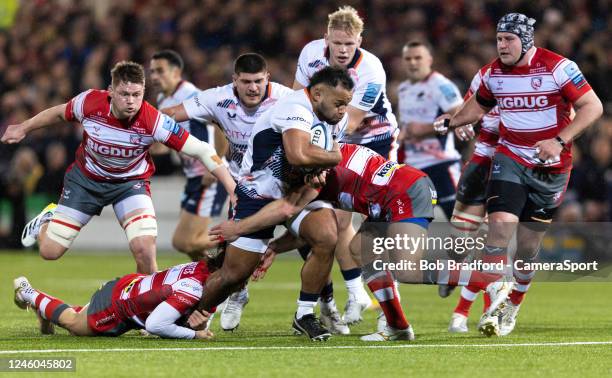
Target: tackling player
<point>157,303</point>
<point>113,165</point>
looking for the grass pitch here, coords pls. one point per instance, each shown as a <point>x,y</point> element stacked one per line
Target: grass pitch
<point>564,329</point>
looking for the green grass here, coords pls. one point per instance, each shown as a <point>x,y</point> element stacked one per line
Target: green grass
<point>553,313</point>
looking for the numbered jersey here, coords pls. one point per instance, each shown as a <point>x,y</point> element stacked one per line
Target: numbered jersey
<point>118,150</point>
<point>535,103</point>
<point>191,167</point>
<point>423,102</point>
<point>369,95</point>
<point>185,281</point>
<point>265,171</point>
<point>366,182</point>
<point>222,106</point>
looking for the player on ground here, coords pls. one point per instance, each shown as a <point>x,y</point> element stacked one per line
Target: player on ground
<point>371,123</point>
<point>281,141</point>
<point>157,303</point>
<point>535,91</point>
<point>425,95</point>
<point>200,201</point>
<point>469,212</point>
<point>112,165</point>
<point>234,108</point>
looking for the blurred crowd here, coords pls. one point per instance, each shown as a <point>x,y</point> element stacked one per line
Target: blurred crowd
<point>52,50</point>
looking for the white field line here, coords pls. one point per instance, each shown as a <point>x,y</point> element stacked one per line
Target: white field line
<point>396,346</point>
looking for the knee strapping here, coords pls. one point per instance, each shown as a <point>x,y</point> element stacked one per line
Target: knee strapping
<point>63,229</point>
<point>143,224</point>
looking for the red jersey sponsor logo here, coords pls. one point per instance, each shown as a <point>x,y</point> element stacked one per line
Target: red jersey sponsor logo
<point>523,102</point>
<point>114,151</point>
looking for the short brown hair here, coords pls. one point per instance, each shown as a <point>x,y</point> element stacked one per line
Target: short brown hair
<point>125,71</point>
<point>346,19</point>
<point>418,43</point>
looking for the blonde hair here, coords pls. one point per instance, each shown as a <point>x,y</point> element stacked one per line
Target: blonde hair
<point>347,19</point>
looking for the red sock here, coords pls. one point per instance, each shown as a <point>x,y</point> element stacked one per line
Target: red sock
<point>523,279</point>
<point>49,307</point>
<point>384,291</point>
<point>487,302</point>
<point>468,295</point>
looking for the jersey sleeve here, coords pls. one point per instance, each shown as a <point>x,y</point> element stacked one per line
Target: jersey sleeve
<point>447,95</point>
<point>369,89</point>
<point>291,116</point>
<point>169,132</point>
<point>187,293</point>
<point>474,85</point>
<point>162,322</point>
<point>484,96</point>
<point>301,73</point>
<point>201,105</point>
<point>570,79</point>
<point>75,107</point>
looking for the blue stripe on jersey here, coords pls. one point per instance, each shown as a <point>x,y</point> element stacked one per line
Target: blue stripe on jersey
<point>199,130</point>
<point>268,147</point>
<point>379,107</point>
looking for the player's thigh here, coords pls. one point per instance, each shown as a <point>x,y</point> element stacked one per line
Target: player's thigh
<point>472,186</point>
<point>190,226</point>
<point>239,263</point>
<point>319,228</point>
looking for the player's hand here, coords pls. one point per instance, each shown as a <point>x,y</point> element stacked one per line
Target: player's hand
<point>204,335</point>
<point>548,150</point>
<point>198,320</point>
<point>13,134</point>
<point>441,124</point>
<point>465,133</point>
<point>227,231</point>
<point>316,180</point>
<point>266,261</point>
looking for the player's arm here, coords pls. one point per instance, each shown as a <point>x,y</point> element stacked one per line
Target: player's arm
<point>48,117</point>
<point>297,85</point>
<point>355,119</point>
<point>162,322</point>
<point>300,152</point>
<point>177,112</point>
<point>272,214</point>
<point>221,144</point>
<point>588,110</point>
<point>471,111</point>
<point>208,156</point>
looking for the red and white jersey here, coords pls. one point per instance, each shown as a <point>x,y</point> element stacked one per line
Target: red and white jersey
<point>117,150</point>
<point>535,103</point>
<point>488,136</point>
<point>186,280</point>
<point>363,182</point>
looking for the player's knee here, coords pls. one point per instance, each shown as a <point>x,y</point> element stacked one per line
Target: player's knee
<point>142,224</point>
<point>234,278</point>
<point>181,244</point>
<point>325,237</point>
<point>59,236</point>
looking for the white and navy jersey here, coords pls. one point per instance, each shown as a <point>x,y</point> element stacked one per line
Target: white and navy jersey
<point>423,102</point>
<point>369,95</point>
<point>118,150</point>
<point>222,106</point>
<point>191,167</point>
<point>265,168</point>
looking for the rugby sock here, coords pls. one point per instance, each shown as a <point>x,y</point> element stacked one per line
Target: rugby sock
<point>523,279</point>
<point>306,304</point>
<point>462,277</point>
<point>382,286</point>
<point>48,307</point>
<point>354,284</point>
<point>495,255</point>
<point>465,300</point>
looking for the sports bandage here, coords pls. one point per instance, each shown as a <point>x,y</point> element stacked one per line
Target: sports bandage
<point>203,152</point>
<point>465,222</point>
<point>63,229</point>
<point>143,224</point>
